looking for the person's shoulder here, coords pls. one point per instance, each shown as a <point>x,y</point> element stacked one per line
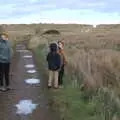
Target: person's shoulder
<point>49,54</point>
<point>9,41</point>
<point>57,54</point>
<point>1,39</point>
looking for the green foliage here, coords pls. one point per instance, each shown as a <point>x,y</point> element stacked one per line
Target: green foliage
<point>40,57</point>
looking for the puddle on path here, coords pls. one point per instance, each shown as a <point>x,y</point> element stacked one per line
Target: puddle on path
<point>22,51</point>
<point>32,81</point>
<point>25,107</point>
<point>31,71</point>
<point>27,56</point>
<point>30,66</point>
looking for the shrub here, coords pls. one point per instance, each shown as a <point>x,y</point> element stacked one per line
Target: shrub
<point>52,32</point>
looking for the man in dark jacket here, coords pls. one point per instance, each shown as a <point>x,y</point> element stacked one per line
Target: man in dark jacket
<point>5,59</point>
<point>54,62</point>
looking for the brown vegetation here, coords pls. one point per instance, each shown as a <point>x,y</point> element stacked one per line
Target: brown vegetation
<point>94,52</point>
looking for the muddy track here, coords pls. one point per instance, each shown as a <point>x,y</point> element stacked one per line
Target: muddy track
<point>24,91</point>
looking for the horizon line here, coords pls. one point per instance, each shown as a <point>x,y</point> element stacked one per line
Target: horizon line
<point>61,23</point>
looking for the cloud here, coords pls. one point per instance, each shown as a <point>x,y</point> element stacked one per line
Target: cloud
<point>108,5</point>
<point>54,10</point>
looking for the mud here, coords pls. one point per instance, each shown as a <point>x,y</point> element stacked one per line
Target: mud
<point>10,100</point>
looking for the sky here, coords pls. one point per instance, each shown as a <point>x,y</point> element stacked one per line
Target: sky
<point>60,11</point>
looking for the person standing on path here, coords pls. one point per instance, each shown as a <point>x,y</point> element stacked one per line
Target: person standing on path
<point>54,62</point>
<point>5,59</point>
<point>63,63</point>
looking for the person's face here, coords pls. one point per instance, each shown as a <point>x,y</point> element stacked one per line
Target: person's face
<point>4,37</point>
<point>60,45</point>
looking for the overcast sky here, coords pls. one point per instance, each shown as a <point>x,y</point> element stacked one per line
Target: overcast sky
<point>60,11</point>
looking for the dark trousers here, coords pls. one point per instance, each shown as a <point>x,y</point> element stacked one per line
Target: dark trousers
<point>61,74</point>
<point>4,73</point>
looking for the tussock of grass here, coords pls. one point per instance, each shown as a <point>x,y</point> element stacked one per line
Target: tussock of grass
<point>74,104</point>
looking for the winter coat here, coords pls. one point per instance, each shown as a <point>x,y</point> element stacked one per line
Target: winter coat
<point>54,61</point>
<point>5,51</point>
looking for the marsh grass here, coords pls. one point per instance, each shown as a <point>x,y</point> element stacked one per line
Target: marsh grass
<point>75,101</point>
<point>92,79</point>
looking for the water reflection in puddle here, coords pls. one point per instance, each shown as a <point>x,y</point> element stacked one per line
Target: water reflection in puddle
<point>32,81</point>
<point>22,50</point>
<point>31,71</point>
<point>25,107</point>
<point>29,66</point>
<point>27,56</point>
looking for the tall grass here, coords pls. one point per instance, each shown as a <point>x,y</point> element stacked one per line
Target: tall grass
<point>91,83</point>
<point>75,101</point>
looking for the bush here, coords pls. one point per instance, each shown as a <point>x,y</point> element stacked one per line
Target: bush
<point>52,32</point>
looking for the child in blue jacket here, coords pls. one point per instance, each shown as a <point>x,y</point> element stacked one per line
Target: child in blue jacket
<point>54,63</point>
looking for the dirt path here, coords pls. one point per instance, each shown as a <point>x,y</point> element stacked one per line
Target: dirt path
<point>23,91</point>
